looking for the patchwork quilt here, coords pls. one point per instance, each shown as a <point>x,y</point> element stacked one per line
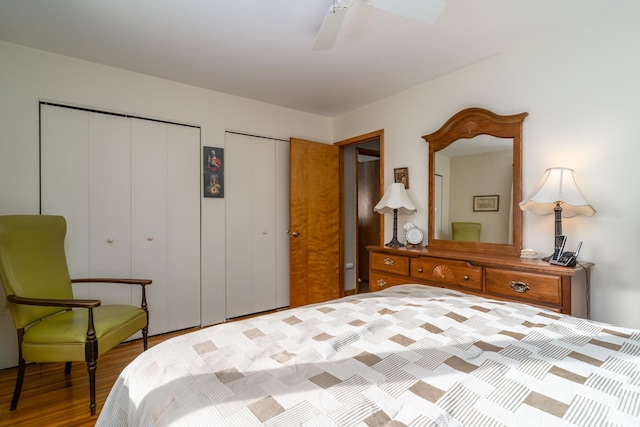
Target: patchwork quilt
<point>410,355</point>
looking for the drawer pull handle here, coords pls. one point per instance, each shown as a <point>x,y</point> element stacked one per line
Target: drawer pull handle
<point>465,278</point>
<point>388,261</point>
<point>382,283</point>
<point>519,287</point>
<point>420,270</point>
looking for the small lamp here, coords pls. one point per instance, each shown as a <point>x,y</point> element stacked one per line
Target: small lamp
<point>395,199</point>
<point>557,193</point>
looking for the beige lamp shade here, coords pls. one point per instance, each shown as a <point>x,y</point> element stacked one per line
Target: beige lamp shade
<point>395,197</point>
<point>557,187</point>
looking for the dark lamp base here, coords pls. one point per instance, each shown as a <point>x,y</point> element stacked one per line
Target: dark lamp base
<point>394,244</point>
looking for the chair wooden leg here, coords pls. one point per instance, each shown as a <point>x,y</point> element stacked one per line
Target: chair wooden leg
<point>91,367</point>
<point>91,357</point>
<point>67,368</point>
<point>145,334</point>
<point>19,380</point>
<point>20,377</point>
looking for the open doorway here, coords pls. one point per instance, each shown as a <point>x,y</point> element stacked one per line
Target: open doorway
<point>368,221</point>
<point>362,176</point>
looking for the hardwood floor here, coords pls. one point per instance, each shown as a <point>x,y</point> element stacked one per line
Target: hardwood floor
<point>49,398</point>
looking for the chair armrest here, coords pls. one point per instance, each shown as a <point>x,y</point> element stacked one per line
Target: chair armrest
<point>141,282</point>
<point>50,302</point>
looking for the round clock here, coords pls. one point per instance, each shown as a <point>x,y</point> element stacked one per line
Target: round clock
<point>414,236</point>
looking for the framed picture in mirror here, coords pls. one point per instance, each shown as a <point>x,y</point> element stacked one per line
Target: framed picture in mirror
<point>486,203</point>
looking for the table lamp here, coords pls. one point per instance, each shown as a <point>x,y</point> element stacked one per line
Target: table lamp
<point>557,193</point>
<point>395,199</point>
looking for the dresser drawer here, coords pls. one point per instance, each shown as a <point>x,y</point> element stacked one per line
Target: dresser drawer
<point>447,272</point>
<point>379,281</point>
<point>396,264</point>
<point>516,284</point>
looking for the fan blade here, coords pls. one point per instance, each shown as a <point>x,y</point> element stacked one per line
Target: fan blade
<point>426,11</point>
<point>326,37</point>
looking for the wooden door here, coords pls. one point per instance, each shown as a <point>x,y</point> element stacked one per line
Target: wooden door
<point>315,199</point>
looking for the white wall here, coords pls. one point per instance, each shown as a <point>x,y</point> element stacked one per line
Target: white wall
<point>27,75</point>
<point>581,89</point>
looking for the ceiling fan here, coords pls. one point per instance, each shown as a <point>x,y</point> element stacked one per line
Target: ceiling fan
<point>426,11</point>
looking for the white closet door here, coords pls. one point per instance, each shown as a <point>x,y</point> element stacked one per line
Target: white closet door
<point>184,172</point>
<point>130,190</point>
<point>149,255</point>
<point>238,182</point>
<point>250,203</point>
<point>110,205</point>
<point>282,224</point>
<point>263,224</point>
<point>64,176</point>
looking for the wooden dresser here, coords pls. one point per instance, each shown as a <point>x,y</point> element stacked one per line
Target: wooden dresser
<point>504,277</point>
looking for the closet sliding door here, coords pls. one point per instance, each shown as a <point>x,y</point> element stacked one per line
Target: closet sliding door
<point>130,191</point>
<point>79,149</point>
<point>109,205</point>
<point>184,169</point>
<point>257,248</point>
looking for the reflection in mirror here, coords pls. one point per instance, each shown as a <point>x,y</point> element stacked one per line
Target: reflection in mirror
<point>475,176</point>
<point>472,171</point>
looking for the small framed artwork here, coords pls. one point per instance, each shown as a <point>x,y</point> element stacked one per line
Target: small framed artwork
<point>401,175</point>
<point>213,184</point>
<point>213,159</point>
<point>213,171</point>
<point>486,203</point>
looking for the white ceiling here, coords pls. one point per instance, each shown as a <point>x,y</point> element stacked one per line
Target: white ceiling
<point>261,49</point>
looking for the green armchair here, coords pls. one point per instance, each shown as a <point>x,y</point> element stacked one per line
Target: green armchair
<point>52,326</point>
<point>466,231</point>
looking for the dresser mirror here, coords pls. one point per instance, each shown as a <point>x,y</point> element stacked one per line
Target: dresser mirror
<point>475,178</point>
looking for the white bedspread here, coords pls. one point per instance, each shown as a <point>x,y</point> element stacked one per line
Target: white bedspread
<point>410,355</point>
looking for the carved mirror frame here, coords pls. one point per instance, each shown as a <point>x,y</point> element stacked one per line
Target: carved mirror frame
<point>467,124</point>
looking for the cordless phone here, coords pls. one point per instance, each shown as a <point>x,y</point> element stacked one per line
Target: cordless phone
<point>559,247</point>
<point>568,259</point>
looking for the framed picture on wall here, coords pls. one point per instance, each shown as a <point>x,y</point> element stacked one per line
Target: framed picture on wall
<point>213,171</point>
<point>401,175</point>
<point>213,159</point>
<point>213,184</point>
<point>486,203</point>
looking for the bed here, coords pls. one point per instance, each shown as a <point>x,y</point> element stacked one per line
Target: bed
<point>409,355</point>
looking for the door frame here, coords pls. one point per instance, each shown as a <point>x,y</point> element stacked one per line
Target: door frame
<point>356,140</point>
